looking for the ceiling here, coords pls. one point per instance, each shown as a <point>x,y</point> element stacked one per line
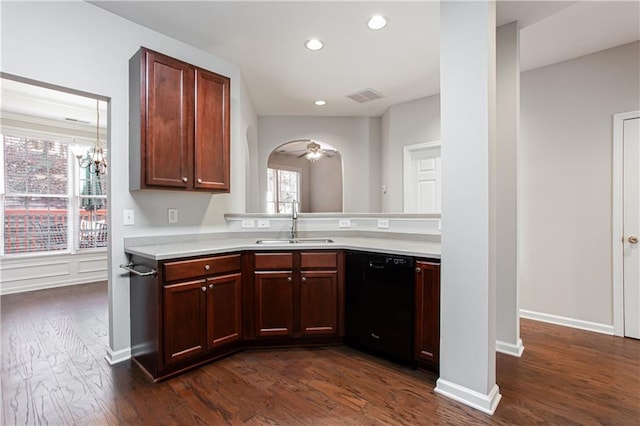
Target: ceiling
<point>266,39</point>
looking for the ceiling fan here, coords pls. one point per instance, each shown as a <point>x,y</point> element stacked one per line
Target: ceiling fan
<point>314,152</point>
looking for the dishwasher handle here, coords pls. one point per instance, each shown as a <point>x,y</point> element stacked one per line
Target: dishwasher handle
<point>376,265</point>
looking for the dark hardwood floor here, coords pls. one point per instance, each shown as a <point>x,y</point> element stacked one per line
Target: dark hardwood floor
<point>54,372</point>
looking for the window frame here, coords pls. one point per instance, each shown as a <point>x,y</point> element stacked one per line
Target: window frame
<point>73,195</point>
<point>277,168</point>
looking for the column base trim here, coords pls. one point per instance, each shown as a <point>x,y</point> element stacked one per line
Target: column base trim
<point>509,348</point>
<point>485,403</point>
<point>117,357</point>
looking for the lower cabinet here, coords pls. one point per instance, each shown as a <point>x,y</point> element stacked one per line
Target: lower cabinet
<point>188,314</point>
<point>427,314</point>
<point>297,294</point>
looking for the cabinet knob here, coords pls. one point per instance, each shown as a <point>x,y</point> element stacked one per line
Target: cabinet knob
<point>288,279</point>
<point>199,180</point>
<point>418,270</point>
<point>204,288</point>
<point>207,267</point>
<point>211,286</point>
<point>185,179</point>
<point>304,279</point>
<point>633,239</point>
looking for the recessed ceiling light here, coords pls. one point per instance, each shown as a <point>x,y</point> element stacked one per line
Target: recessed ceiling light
<point>314,44</point>
<point>377,22</point>
<point>320,102</point>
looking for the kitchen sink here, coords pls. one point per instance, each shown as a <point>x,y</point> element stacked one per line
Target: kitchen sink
<point>296,241</point>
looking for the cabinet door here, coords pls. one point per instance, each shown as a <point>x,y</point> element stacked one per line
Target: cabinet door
<point>168,129</point>
<point>223,310</point>
<point>427,306</point>
<point>319,303</point>
<point>185,320</point>
<point>274,303</point>
<point>212,131</point>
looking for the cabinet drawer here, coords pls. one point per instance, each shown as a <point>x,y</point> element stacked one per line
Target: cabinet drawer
<point>274,261</point>
<point>184,269</point>
<point>319,260</point>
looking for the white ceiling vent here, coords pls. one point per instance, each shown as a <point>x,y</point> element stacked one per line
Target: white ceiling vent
<point>366,95</point>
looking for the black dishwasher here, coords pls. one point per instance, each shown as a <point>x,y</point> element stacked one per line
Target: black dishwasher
<point>379,304</point>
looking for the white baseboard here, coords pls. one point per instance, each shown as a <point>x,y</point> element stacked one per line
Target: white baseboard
<point>117,356</point>
<point>509,348</point>
<point>4,290</point>
<point>568,322</point>
<point>485,403</point>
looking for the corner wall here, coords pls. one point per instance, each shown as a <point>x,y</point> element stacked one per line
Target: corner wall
<point>80,46</point>
<point>404,124</point>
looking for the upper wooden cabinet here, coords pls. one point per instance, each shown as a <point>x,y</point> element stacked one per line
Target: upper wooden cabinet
<point>179,125</point>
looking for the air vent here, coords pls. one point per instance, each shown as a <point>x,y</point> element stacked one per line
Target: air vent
<point>366,95</point>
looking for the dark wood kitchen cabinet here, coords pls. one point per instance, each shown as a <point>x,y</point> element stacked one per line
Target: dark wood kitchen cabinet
<point>295,295</point>
<point>427,314</point>
<point>190,313</point>
<point>179,125</point>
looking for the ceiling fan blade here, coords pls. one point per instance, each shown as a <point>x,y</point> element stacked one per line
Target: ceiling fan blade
<point>302,155</point>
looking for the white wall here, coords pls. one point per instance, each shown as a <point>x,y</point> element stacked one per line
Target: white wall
<point>77,45</point>
<point>405,124</point>
<point>326,185</point>
<point>356,138</point>
<point>565,180</point>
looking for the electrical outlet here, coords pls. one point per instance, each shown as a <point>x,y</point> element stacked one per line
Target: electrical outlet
<point>128,219</point>
<point>344,223</point>
<point>383,223</point>
<point>248,223</point>
<point>263,223</point>
<point>172,215</point>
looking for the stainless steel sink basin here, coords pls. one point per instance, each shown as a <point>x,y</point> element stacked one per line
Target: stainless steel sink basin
<point>297,241</point>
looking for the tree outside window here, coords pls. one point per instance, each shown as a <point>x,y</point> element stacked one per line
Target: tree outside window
<point>283,187</point>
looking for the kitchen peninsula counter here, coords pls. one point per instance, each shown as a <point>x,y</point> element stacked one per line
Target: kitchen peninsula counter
<point>184,249</point>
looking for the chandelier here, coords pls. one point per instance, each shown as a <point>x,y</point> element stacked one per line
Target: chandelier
<point>95,160</point>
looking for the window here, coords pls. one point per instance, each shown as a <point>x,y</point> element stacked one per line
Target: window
<point>283,187</point>
<point>49,203</point>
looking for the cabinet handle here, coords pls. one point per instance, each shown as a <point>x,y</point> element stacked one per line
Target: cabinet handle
<point>304,279</point>
<point>199,180</point>
<point>184,179</point>
<point>211,286</point>
<point>204,288</point>
<point>288,279</point>
<point>418,270</point>
<point>207,267</point>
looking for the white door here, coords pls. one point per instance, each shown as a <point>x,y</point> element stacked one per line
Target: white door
<point>422,171</point>
<point>631,227</point>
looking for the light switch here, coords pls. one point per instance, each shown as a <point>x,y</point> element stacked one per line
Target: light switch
<point>344,223</point>
<point>128,219</point>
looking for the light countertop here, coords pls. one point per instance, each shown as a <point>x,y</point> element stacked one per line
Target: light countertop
<point>426,249</point>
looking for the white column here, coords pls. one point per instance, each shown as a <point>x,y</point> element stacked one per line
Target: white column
<point>467,90</point>
<point>504,202</point>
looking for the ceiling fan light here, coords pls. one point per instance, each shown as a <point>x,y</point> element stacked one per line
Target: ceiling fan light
<point>313,155</point>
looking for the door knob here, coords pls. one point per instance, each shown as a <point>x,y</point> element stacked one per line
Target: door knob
<point>633,239</point>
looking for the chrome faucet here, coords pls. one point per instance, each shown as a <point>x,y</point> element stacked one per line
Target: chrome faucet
<point>294,219</point>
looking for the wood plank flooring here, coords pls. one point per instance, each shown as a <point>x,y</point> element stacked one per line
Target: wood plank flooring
<point>53,372</point>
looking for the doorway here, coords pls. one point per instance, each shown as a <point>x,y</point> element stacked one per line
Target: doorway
<point>422,178</point>
<point>626,224</point>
